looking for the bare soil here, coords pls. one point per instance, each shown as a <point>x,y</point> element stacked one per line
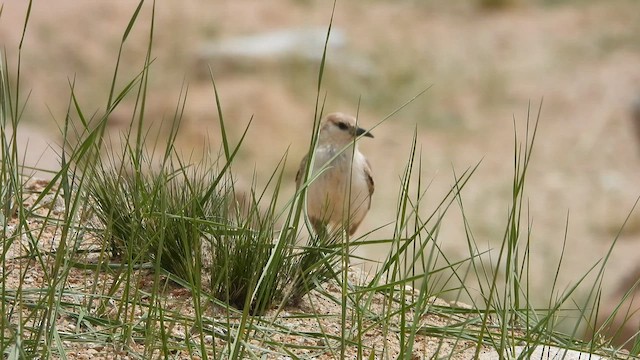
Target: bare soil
<point>88,293</point>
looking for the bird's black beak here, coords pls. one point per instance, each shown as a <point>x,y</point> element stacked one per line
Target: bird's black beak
<point>361,131</point>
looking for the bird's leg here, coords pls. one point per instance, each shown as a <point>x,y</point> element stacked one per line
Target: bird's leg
<point>320,228</point>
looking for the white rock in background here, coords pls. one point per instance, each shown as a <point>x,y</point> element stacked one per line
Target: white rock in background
<point>305,44</point>
<point>276,45</point>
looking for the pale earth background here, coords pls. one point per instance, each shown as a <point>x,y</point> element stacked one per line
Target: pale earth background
<point>484,67</point>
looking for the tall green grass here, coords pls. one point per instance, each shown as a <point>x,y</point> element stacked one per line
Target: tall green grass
<point>156,257</point>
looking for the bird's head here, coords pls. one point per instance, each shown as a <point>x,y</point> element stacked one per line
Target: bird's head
<point>340,129</point>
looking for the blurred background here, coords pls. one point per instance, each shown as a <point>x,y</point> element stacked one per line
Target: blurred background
<point>484,60</point>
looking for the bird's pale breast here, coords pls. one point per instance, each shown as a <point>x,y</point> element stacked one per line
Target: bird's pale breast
<point>328,196</point>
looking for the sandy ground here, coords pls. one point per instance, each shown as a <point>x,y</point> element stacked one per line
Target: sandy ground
<point>101,317</point>
<point>99,295</point>
<point>484,68</point>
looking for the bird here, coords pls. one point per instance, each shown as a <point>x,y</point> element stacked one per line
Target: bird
<point>340,196</point>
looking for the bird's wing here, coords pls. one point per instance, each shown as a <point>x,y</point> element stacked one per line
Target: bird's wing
<point>300,173</point>
<point>369,178</point>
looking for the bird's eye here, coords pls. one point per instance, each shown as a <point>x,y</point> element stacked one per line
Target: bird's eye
<point>343,126</point>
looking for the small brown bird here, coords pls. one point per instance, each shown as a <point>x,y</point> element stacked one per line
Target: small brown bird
<point>341,195</point>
